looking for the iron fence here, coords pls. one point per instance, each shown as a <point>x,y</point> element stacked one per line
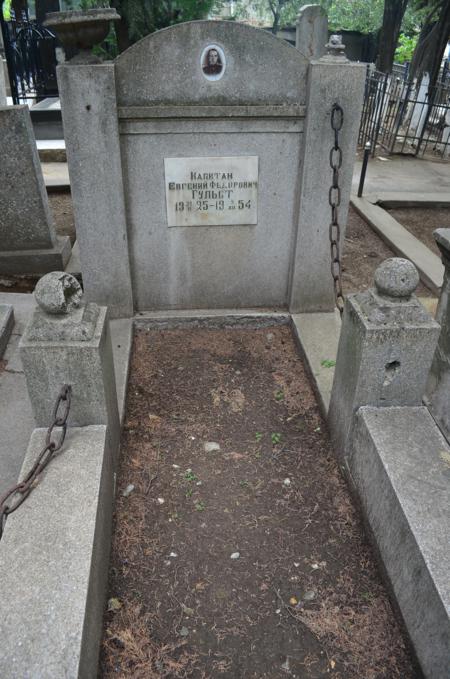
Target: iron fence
<point>402,116</point>
<point>31,59</point>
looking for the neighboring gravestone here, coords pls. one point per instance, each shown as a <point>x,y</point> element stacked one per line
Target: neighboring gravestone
<point>200,169</point>
<point>385,349</point>
<point>2,84</point>
<point>438,388</point>
<point>312,31</point>
<point>28,242</point>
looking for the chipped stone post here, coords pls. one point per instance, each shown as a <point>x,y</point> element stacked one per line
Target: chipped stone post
<point>385,349</point>
<point>438,388</point>
<point>68,341</point>
<point>311,34</point>
<point>331,79</point>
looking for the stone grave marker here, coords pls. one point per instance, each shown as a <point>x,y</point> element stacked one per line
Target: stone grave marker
<point>200,168</point>
<point>28,242</point>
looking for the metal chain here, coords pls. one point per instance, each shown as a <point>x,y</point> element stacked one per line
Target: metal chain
<point>24,488</point>
<point>334,199</point>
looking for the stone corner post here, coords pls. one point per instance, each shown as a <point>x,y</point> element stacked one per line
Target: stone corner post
<point>331,79</point>
<point>438,387</point>
<point>91,131</point>
<point>311,34</point>
<point>67,342</point>
<point>385,349</point>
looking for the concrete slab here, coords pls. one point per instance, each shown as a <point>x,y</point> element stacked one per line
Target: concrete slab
<point>51,607</point>
<point>402,242</point>
<point>56,176</point>
<point>405,174</point>
<point>318,337</point>
<point>399,463</point>
<point>6,325</point>
<point>392,199</point>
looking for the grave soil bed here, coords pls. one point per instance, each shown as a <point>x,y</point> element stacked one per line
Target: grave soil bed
<point>422,222</point>
<point>238,552</point>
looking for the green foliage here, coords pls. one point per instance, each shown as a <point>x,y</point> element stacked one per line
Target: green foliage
<point>405,48</point>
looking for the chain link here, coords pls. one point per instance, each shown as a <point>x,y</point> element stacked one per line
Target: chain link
<point>13,498</point>
<point>334,199</point>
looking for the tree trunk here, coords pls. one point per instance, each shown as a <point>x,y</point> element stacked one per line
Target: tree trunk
<point>275,9</point>
<point>121,28</point>
<point>390,30</point>
<point>430,47</point>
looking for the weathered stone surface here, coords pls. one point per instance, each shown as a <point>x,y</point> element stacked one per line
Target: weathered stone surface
<point>2,84</point>
<point>28,242</point>
<point>400,465</point>
<point>165,67</point>
<point>396,277</point>
<point>75,349</point>
<point>25,219</point>
<point>51,607</point>
<point>385,351</point>
<point>89,112</point>
<point>6,325</point>
<point>312,31</point>
<point>329,82</point>
<point>438,387</point>
<point>58,293</point>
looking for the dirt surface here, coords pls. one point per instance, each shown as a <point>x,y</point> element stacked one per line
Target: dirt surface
<point>363,252</point>
<point>422,222</point>
<point>62,210</point>
<point>248,561</point>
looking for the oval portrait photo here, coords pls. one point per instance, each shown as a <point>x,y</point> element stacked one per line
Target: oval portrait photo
<point>213,62</point>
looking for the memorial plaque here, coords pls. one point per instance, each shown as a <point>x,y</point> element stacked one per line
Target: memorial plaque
<point>211,191</point>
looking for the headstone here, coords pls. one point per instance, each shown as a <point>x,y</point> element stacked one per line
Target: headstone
<point>212,191</point>
<point>438,388</point>
<point>68,342</point>
<point>385,349</point>
<point>312,31</point>
<point>28,242</point>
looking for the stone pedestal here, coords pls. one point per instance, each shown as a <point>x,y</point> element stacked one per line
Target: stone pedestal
<point>311,34</point>
<point>438,388</point>
<point>68,342</point>
<point>385,349</point>
<point>331,79</point>
<point>28,242</point>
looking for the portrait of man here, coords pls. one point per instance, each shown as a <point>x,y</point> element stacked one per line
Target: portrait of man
<point>212,62</point>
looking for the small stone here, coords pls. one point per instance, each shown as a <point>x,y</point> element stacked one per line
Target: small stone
<point>173,555</point>
<point>315,566</point>
<point>309,595</point>
<point>211,447</point>
<point>235,555</point>
<point>160,500</point>
<point>184,632</point>
<point>287,482</point>
<point>270,336</point>
<point>6,283</point>
<point>293,601</point>
<point>128,490</point>
<point>396,277</point>
<point>175,466</point>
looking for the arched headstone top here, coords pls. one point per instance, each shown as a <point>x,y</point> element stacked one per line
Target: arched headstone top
<point>211,63</point>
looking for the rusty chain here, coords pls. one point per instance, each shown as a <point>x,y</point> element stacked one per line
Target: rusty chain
<point>24,488</point>
<point>334,199</point>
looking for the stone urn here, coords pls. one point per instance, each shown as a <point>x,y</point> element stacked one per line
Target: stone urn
<point>81,29</point>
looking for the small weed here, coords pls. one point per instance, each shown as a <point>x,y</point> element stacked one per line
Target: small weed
<point>279,395</point>
<point>244,484</point>
<point>189,492</point>
<point>275,438</point>
<point>328,363</point>
<point>200,506</point>
<point>258,436</point>
<point>190,476</point>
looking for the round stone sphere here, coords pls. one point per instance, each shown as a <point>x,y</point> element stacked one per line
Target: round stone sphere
<point>396,277</point>
<point>58,293</point>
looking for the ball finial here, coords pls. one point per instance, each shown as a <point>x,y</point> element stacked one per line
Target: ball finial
<point>396,277</point>
<point>58,293</point>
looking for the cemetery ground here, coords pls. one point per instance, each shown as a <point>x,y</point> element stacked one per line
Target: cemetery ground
<point>237,550</point>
